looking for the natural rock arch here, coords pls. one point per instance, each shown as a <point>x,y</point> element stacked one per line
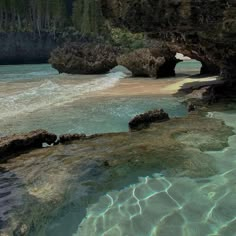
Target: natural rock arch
<point>206,29</point>
<point>150,62</point>
<point>200,67</point>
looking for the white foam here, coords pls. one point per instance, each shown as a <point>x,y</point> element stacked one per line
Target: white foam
<point>51,93</point>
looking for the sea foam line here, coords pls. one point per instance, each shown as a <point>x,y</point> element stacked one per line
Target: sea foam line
<point>51,93</point>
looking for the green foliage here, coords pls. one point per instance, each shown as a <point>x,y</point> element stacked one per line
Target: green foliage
<point>126,39</point>
<point>55,15</point>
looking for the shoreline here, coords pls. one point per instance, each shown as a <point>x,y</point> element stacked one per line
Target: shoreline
<point>155,87</point>
<point>138,88</point>
<point>172,135</point>
<point>170,139</point>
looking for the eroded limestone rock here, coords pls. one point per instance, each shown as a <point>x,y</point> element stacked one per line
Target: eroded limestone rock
<point>204,29</point>
<point>152,62</point>
<point>84,58</point>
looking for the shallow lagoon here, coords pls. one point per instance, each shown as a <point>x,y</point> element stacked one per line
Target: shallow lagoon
<point>172,179</point>
<point>37,97</point>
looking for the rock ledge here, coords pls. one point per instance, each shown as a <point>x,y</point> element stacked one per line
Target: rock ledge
<point>22,142</point>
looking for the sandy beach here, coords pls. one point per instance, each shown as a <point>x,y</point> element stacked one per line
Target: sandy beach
<point>162,87</point>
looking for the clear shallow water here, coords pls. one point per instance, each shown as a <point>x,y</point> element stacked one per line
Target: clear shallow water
<point>91,115</point>
<point>13,73</point>
<point>163,206</point>
<point>188,67</point>
<point>67,191</point>
<point>27,96</point>
<point>35,96</point>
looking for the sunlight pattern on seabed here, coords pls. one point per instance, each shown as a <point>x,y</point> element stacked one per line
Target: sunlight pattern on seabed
<point>160,206</point>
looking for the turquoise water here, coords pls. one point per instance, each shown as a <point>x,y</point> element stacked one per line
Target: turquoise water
<point>189,67</point>
<point>15,73</point>
<point>37,97</point>
<point>61,197</point>
<point>153,204</point>
<point>164,206</point>
<point>91,115</point>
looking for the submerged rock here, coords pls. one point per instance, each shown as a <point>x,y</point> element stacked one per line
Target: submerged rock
<point>84,58</point>
<point>77,173</point>
<point>144,120</point>
<point>12,145</point>
<point>152,62</point>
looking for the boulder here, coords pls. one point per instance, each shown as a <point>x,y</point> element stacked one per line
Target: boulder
<point>84,58</point>
<point>150,62</point>
<point>12,145</point>
<point>144,120</point>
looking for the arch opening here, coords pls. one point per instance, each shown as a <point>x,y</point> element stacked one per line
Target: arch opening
<point>187,66</point>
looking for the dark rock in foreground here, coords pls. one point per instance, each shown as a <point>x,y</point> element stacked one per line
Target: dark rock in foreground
<point>84,58</point>
<point>14,144</point>
<point>71,137</point>
<point>144,120</point>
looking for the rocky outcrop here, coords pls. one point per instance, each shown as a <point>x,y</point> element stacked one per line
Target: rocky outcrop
<point>208,67</point>
<point>153,62</point>
<point>71,137</point>
<point>144,120</point>
<point>26,47</point>
<point>84,169</point>
<point>84,58</point>
<point>204,29</point>
<point>12,145</point>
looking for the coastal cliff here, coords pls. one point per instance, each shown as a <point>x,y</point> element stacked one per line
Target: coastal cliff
<point>29,28</point>
<point>203,30</point>
<point>25,47</point>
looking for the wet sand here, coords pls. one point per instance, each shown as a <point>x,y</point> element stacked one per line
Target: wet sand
<point>163,87</point>
<point>129,86</point>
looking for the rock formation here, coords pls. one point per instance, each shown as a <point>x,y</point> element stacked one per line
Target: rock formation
<point>204,29</point>
<point>70,137</point>
<point>14,144</point>
<point>144,120</point>
<point>153,62</point>
<point>84,58</point>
